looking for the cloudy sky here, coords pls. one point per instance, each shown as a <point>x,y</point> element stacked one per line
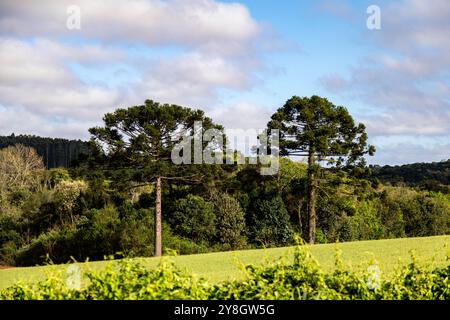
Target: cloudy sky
<point>238,61</point>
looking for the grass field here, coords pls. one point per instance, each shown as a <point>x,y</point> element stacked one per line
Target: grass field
<point>430,251</point>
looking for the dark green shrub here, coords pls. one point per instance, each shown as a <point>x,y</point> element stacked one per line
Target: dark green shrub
<point>194,218</point>
<point>230,221</point>
<point>270,224</point>
<point>10,239</point>
<point>92,236</point>
<point>136,232</point>
<point>182,245</point>
<point>146,200</point>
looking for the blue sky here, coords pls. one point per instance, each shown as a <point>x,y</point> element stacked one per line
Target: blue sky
<point>313,47</point>
<point>237,60</point>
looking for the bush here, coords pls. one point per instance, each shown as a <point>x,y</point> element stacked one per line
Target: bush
<point>335,218</point>
<point>230,221</point>
<point>194,218</point>
<point>66,196</point>
<point>181,245</point>
<point>92,236</point>
<point>136,232</point>
<point>270,224</point>
<point>55,176</point>
<point>49,245</point>
<point>10,239</point>
<point>422,213</point>
<point>129,281</point>
<point>366,222</point>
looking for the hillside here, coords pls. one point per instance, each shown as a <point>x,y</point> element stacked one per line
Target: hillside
<point>416,174</point>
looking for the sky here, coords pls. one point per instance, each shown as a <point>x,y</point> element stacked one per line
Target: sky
<point>237,60</point>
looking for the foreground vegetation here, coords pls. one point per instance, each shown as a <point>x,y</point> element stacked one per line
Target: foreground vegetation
<point>217,267</point>
<point>297,276</point>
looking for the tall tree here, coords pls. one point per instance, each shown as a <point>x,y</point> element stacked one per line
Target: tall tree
<point>138,142</point>
<point>321,131</point>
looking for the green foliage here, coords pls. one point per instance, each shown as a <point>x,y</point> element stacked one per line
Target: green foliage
<point>301,278</point>
<point>66,194</point>
<point>146,200</point>
<point>315,126</point>
<point>128,280</point>
<point>270,224</point>
<point>321,131</point>
<point>230,221</point>
<point>429,176</point>
<point>422,212</point>
<point>392,212</point>
<point>10,237</point>
<point>181,245</point>
<point>304,280</point>
<point>136,143</point>
<point>105,205</point>
<point>136,238</point>
<point>71,220</point>
<point>133,281</point>
<point>366,223</point>
<point>290,174</point>
<point>57,175</point>
<point>194,218</point>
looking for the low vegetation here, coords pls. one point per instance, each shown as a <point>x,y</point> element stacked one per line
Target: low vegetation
<point>299,277</point>
<point>216,267</point>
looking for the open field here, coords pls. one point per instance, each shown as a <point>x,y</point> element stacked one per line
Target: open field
<point>430,251</point>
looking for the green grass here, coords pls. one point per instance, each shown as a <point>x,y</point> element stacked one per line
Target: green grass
<point>389,254</point>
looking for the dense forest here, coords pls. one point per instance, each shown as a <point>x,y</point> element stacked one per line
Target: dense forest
<point>55,152</point>
<point>431,176</point>
<point>127,197</point>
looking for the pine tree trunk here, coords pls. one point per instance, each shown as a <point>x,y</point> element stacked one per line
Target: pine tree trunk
<point>300,216</point>
<point>311,206</point>
<point>158,223</point>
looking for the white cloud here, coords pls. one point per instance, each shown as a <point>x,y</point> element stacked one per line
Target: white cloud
<point>401,153</point>
<point>216,48</point>
<point>20,121</point>
<point>194,79</point>
<point>407,123</point>
<point>414,24</point>
<point>406,82</point>
<point>39,94</point>
<point>242,115</point>
<point>194,23</point>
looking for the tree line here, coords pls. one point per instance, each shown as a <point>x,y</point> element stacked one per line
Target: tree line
<point>433,176</point>
<point>55,152</point>
<point>128,196</point>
